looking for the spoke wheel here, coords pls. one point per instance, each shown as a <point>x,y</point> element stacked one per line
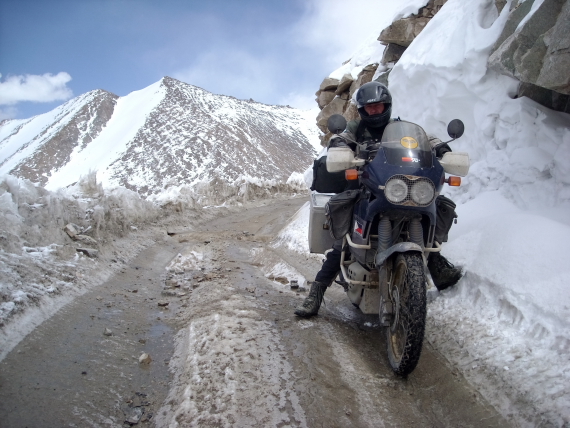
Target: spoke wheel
<point>405,334</point>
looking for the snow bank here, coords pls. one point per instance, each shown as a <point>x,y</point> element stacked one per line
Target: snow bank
<point>40,267</point>
<point>512,308</point>
<point>218,192</point>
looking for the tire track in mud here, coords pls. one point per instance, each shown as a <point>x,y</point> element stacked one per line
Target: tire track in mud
<point>336,372</point>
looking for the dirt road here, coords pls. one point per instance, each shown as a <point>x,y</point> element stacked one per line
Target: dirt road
<point>226,348</point>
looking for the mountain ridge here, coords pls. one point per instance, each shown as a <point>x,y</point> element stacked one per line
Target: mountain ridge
<point>170,132</point>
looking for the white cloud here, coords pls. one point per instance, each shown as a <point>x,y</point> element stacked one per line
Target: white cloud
<point>37,88</point>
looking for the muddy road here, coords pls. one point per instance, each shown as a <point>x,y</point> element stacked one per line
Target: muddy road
<point>225,346</point>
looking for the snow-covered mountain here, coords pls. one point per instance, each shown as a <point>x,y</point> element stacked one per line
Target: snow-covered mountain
<point>169,133</point>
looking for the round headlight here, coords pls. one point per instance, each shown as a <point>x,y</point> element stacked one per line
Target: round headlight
<point>422,192</point>
<point>396,190</point>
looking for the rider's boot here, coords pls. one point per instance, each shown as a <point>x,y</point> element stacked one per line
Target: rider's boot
<point>443,273</point>
<point>313,301</point>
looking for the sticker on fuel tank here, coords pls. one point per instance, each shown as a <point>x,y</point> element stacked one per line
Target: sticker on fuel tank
<point>410,160</point>
<point>409,142</point>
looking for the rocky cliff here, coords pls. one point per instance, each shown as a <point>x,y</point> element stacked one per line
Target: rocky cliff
<point>535,49</point>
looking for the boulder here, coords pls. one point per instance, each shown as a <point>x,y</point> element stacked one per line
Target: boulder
<point>324,97</point>
<point>403,31</point>
<point>336,106</point>
<point>364,76</point>
<point>351,112</point>
<point>85,239</point>
<point>71,230</point>
<point>89,252</point>
<point>344,84</point>
<point>329,84</point>
<point>383,77</point>
<point>392,53</point>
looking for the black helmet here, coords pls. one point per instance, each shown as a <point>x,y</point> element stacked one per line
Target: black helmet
<point>371,93</point>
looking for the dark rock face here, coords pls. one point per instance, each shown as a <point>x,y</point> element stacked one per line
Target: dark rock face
<point>535,49</point>
<point>403,31</point>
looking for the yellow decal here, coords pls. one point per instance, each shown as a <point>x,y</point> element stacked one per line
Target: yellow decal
<point>409,143</point>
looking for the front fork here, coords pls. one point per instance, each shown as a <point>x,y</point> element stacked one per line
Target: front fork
<point>386,272</point>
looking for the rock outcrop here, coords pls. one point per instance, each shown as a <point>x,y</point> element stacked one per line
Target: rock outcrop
<point>334,96</point>
<point>534,48</point>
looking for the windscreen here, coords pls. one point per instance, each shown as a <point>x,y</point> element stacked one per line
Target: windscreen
<point>406,144</point>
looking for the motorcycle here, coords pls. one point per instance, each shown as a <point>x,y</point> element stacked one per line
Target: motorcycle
<point>390,230</point>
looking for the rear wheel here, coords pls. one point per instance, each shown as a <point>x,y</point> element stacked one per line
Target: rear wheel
<point>405,334</point>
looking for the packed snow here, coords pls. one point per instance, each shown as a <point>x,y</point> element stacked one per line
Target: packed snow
<point>505,325</point>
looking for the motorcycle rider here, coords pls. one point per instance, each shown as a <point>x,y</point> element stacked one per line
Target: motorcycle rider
<point>374,103</point>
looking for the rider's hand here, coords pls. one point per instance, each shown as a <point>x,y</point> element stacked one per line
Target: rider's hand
<point>337,141</point>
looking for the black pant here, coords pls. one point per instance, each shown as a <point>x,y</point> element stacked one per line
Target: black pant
<point>330,268</point>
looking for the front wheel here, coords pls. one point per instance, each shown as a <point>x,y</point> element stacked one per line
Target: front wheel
<point>405,334</point>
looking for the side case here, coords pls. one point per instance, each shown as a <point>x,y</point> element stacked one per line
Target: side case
<point>320,240</point>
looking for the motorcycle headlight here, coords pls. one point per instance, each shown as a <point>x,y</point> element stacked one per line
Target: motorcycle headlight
<point>396,190</point>
<point>422,192</point>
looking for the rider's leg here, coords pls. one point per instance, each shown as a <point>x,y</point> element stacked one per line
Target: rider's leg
<point>444,273</point>
<point>324,278</point>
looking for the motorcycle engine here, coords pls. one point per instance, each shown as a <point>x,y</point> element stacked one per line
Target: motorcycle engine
<point>356,273</point>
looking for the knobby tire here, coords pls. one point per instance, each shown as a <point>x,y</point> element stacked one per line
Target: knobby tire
<point>406,334</point>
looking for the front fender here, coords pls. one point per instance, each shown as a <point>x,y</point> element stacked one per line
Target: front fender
<point>400,247</point>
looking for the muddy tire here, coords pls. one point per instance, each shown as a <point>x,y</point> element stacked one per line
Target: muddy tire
<point>405,334</point>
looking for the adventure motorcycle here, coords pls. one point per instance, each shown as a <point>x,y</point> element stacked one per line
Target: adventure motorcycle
<point>388,226</point>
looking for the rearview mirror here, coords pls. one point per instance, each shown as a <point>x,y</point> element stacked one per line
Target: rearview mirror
<point>455,128</point>
<point>336,123</point>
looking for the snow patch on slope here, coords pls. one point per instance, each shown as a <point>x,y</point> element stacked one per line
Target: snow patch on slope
<point>113,139</point>
<point>19,139</point>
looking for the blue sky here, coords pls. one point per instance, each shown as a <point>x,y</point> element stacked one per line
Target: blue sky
<point>274,51</point>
